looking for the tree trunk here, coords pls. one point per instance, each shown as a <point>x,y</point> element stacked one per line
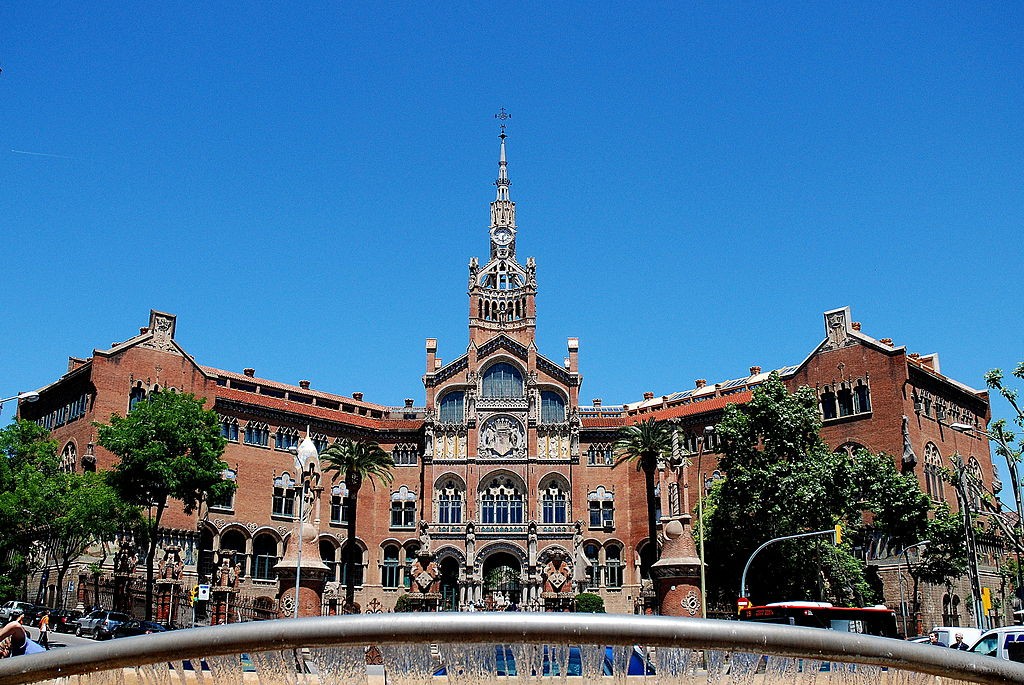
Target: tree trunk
<point>352,483</point>
<point>151,558</point>
<point>648,467</point>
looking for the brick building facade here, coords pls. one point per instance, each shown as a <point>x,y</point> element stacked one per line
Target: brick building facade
<point>510,473</point>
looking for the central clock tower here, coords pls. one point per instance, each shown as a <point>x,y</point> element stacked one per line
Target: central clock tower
<point>502,293</point>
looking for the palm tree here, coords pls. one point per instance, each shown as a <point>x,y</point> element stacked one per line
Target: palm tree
<point>645,443</point>
<point>355,461</point>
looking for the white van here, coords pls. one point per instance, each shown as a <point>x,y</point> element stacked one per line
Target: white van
<point>995,642</point>
<point>947,634</point>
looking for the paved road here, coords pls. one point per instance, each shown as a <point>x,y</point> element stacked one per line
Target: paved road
<point>59,640</point>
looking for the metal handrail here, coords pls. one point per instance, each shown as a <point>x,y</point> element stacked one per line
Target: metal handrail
<point>504,628</point>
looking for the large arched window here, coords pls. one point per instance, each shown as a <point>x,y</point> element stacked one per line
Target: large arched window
<point>552,407</point>
<point>137,395</point>
<point>452,407</point>
<point>613,566</point>
<point>501,502</point>
<point>933,472</point>
<point>591,551</point>
<point>329,555</point>
<point>503,381</point>
<point>264,557</point>
<point>234,540</point>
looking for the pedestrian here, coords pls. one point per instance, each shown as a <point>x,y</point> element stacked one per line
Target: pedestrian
<point>933,639</point>
<point>17,641</point>
<point>959,644</point>
<point>44,629</point>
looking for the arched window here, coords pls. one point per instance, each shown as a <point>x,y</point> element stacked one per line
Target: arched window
<point>329,555</point>
<point>404,454</point>
<point>592,552</point>
<point>933,472</point>
<point>601,505</point>
<point>503,381</point>
<point>449,502</point>
<point>862,398</point>
<point>284,496</point>
<point>233,540</point>
<point>257,434</point>
<point>552,407</point>
<point>613,566</point>
<point>974,472</point>
<point>501,502</point>
<point>389,576</point>
<point>359,563</point>
<point>554,503</point>
<point>403,508</point>
<point>69,458</point>
<point>229,429</point>
<point>828,404</point>
<point>264,557</point>
<point>452,407</point>
<point>600,454</point>
<point>339,504</point>
<point>286,438</point>
<point>137,395</point>
<point>845,398</point>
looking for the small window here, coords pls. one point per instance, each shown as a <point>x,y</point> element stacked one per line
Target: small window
<point>286,438</point>
<point>404,454</point>
<point>613,566</point>
<point>862,398</point>
<point>225,502</point>
<point>390,571</point>
<point>284,496</point>
<point>601,506</point>
<point>339,504</point>
<point>591,551</point>
<point>229,429</point>
<point>845,398</point>
<point>828,405</point>
<point>403,508</point>
<point>600,455</point>
<point>137,395</point>
<point>257,434</point>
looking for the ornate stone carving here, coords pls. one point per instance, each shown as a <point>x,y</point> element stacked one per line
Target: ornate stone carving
<point>502,437</point>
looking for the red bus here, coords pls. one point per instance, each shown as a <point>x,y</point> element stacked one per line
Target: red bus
<point>876,620</point>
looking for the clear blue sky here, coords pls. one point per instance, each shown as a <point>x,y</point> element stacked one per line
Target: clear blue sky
<point>304,186</point>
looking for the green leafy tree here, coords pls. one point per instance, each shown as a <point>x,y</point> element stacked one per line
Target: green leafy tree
<point>1010,446</point>
<point>644,443</point>
<point>355,462</point>
<point>169,447</point>
<point>29,458</point>
<point>783,479</point>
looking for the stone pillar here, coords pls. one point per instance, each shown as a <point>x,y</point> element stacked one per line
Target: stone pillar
<point>677,574</point>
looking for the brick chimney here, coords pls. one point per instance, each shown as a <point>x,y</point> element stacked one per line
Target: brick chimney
<point>357,396</point>
<point>408,403</point>
<point>754,370</point>
<point>886,341</point>
<point>856,325</point>
<point>304,385</point>
<point>700,382</point>
<point>597,401</point>
<point>249,372</point>
<point>648,395</point>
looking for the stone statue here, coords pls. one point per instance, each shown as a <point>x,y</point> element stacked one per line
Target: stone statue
<point>171,565</point>
<point>470,544</point>
<point>909,458</point>
<point>424,539</point>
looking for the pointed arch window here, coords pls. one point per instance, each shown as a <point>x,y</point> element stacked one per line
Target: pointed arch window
<point>138,394</point>
<point>229,429</point>
<point>600,454</point>
<point>69,458</point>
<point>501,502</point>
<point>449,503</point>
<point>554,503</point>
<point>286,438</point>
<point>451,410</point>
<point>613,566</point>
<point>828,405</point>
<point>257,434</point>
<point>933,472</point>
<point>503,381</point>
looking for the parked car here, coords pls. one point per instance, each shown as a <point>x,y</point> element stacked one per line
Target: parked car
<point>136,627</point>
<point>65,620</point>
<point>947,634</point>
<point>100,624</point>
<point>1002,643</point>
<point>10,609</point>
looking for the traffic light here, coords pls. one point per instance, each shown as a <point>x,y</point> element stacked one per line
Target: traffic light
<point>839,534</point>
<point>192,594</point>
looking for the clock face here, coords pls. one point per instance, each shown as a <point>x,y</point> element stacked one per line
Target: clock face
<point>503,236</point>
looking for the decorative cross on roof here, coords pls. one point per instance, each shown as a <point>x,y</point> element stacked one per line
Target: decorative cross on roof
<point>503,116</point>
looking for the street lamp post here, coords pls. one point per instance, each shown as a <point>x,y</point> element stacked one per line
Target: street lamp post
<point>903,603</point>
<point>304,454</point>
<point>21,397</point>
<point>743,579</point>
<point>708,430</point>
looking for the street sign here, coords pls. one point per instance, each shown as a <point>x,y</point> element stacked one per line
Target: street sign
<point>204,592</point>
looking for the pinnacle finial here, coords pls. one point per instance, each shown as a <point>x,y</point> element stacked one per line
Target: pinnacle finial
<point>503,116</point>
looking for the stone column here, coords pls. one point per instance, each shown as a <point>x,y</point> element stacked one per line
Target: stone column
<point>677,574</point>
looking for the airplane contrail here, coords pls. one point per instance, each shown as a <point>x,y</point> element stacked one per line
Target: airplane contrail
<point>40,154</point>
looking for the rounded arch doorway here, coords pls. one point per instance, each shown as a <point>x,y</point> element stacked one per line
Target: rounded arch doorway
<point>502,581</point>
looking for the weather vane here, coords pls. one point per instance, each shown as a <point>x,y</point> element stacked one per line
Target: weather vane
<point>503,116</point>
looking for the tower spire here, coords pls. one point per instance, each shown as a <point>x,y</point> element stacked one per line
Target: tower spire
<point>503,183</point>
